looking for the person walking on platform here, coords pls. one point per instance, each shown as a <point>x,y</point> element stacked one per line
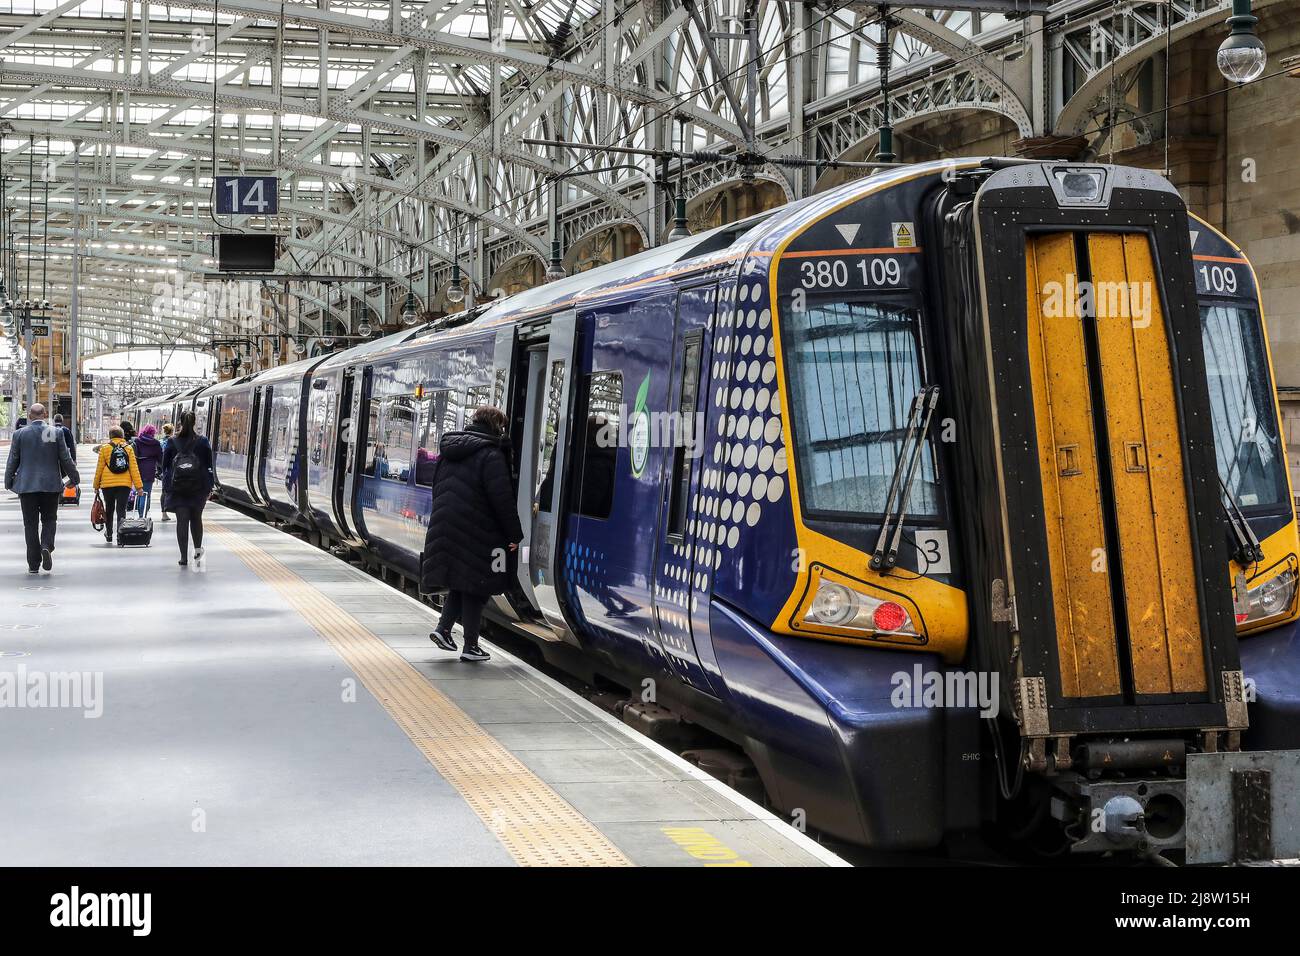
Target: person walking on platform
<point>149,456</point>
<point>38,460</point>
<point>473,526</point>
<point>116,473</point>
<point>67,436</point>
<point>187,482</point>
<point>168,429</point>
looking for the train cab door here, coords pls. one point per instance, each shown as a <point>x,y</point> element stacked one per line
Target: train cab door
<point>1112,549</point>
<point>684,560</point>
<point>542,481</point>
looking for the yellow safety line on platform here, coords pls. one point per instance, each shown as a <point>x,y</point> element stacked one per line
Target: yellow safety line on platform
<point>534,823</point>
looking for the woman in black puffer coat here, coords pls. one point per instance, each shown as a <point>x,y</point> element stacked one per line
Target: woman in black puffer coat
<point>473,526</point>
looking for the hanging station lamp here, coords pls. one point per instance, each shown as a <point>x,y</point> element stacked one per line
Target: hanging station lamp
<point>1241,56</point>
<point>409,315</point>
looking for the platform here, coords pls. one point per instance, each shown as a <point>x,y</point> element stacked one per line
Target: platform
<point>281,707</point>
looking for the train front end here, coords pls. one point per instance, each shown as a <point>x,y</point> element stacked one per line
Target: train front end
<point>1018,451</point>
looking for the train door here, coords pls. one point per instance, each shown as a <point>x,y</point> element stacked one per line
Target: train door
<point>1123,568</point>
<point>1083,391</point>
<point>546,440</point>
<point>362,430</point>
<point>258,450</point>
<point>684,562</point>
<point>346,451</point>
<point>255,406</point>
<point>510,394</point>
<point>215,437</point>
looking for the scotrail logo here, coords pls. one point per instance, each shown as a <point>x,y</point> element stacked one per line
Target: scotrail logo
<point>74,690</point>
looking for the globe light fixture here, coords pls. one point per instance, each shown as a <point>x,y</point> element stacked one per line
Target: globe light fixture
<point>1241,56</point>
<point>409,315</point>
<point>455,291</point>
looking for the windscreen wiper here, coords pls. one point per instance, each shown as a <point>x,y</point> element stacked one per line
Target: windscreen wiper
<point>909,459</point>
<point>1248,548</point>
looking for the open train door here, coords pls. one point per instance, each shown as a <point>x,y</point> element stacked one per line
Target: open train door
<point>1089,452</point>
<point>350,439</point>
<point>543,468</point>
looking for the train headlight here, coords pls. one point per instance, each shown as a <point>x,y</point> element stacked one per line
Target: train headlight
<point>1269,599</point>
<point>833,605</point>
<point>837,605</point>
<point>1081,185</point>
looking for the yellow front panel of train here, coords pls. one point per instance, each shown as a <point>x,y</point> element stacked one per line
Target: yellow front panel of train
<point>1155,545</point>
<point>1058,367</point>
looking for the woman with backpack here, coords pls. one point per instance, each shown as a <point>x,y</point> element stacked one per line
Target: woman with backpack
<point>187,482</point>
<point>116,474</point>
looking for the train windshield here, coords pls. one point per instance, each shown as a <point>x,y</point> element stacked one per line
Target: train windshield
<point>854,369</point>
<point>1246,441</point>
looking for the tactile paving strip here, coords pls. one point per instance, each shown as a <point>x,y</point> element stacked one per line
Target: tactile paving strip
<point>536,825</point>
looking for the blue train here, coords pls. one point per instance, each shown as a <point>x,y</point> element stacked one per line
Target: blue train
<point>955,497</point>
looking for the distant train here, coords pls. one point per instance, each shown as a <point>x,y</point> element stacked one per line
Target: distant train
<point>955,496</point>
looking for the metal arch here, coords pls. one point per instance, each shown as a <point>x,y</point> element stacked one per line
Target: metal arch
<point>1119,39</point>
<point>950,91</point>
<point>964,50</point>
<point>481,51</point>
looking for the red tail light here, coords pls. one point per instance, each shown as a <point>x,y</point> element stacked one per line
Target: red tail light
<point>889,617</point>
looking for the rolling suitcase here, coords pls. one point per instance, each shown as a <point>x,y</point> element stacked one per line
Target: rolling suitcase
<point>135,532</point>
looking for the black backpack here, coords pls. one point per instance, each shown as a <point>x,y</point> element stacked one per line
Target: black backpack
<point>187,472</point>
<point>119,462</point>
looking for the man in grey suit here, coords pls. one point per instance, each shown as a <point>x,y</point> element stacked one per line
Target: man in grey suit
<point>38,460</point>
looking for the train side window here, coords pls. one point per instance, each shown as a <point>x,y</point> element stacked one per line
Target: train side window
<point>397,434</point>
<point>318,425</point>
<point>550,431</point>
<point>683,440</point>
<point>374,450</point>
<point>434,412</point>
<point>453,413</point>
<point>595,497</point>
<point>476,396</point>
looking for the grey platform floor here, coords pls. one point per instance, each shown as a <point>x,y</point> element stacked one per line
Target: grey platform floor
<point>225,736</point>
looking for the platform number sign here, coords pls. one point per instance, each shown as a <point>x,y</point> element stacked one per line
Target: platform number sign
<point>247,196</point>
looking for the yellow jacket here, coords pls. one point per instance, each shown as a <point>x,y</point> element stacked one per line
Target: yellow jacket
<point>106,478</point>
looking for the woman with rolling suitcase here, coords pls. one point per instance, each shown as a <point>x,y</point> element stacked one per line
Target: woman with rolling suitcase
<point>149,456</point>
